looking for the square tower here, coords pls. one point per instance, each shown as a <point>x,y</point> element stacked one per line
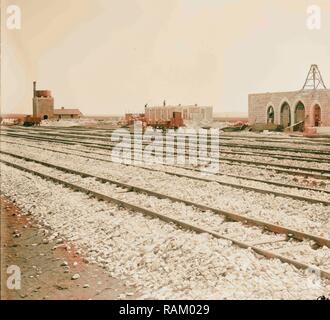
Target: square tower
<point>43,103</point>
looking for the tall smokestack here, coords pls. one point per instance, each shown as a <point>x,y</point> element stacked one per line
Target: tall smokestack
<point>34,89</point>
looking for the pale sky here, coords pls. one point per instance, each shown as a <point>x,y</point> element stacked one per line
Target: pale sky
<point>114,56</point>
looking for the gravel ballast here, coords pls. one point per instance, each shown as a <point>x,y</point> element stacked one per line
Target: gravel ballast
<point>299,215</point>
<point>158,258</point>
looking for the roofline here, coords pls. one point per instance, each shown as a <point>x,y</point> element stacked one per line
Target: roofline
<point>284,92</point>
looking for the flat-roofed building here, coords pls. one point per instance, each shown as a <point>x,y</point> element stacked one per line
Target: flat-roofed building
<point>67,113</point>
<point>43,106</point>
<point>158,114</point>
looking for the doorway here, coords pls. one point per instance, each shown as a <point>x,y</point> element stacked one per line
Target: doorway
<point>299,117</point>
<point>285,115</point>
<point>317,116</point>
<point>270,115</point>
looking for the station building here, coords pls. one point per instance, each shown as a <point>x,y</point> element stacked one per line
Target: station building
<point>306,109</point>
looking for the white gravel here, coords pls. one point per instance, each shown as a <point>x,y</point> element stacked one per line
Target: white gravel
<point>161,261</point>
<point>266,159</point>
<point>191,171</point>
<point>204,219</point>
<point>207,220</point>
<point>266,173</point>
<point>300,215</point>
<point>296,154</point>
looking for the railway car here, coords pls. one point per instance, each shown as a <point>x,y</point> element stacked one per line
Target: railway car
<point>30,121</point>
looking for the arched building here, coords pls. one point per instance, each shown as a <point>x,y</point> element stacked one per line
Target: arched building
<point>295,110</point>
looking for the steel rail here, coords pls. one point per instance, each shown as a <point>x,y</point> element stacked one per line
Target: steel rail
<point>187,175</point>
<point>187,226</point>
<point>229,215</point>
<point>261,154</point>
<point>234,145</point>
<point>319,173</point>
<point>232,185</point>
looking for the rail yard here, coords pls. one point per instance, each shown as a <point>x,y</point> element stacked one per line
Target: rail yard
<point>167,157</point>
<point>258,228</point>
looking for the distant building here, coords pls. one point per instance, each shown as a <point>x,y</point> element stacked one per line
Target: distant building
<point>43,106</point>
<point>11,118</point>
<point>43,103</point>
<point>130,118</point>
<point>159,114</point>
<point>295,110</point>
<point>67,113</point>
<point>177,120</point>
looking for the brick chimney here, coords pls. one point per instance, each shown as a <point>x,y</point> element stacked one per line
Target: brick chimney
<point>34,88</point>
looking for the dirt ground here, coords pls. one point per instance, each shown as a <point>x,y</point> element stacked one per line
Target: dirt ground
<point>47,268</point>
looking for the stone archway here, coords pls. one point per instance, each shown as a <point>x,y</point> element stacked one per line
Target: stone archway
<point>270,115</point>
<point>299,117</point>
<point>285,115</point>
<point>317,116</point>
<point>45,117</point>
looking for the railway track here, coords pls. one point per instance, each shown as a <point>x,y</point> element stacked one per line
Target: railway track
<point>318,141</point>
<point>100,176</point>
<point>205,179</point>
<point>106,137</point>
<point>296,170</point>
<point>240,177</point>
<point>229,152</point>
<point>82,153</point>
<point>223,136</point>
<point>98,189</point>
